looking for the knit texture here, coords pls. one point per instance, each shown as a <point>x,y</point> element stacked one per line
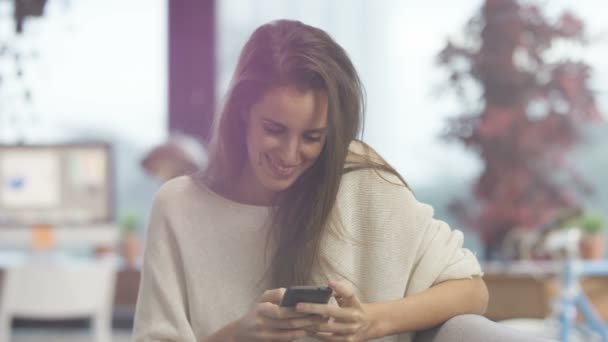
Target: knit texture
<point>206,256</point>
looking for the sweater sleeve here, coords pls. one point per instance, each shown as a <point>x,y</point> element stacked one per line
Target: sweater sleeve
<point>398,233</point>
<point>440,255</point>
<point>161,312</point>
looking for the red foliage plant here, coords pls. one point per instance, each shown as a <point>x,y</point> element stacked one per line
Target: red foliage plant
<point>530,115</point>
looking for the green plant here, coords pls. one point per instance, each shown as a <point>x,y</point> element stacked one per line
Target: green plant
<point>588,223</point>
<point>130,222</point>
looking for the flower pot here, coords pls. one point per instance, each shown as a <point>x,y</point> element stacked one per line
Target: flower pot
<point>131,249</point>
<point>592,247</point>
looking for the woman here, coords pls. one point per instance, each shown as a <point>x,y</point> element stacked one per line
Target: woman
<point>290,197</point>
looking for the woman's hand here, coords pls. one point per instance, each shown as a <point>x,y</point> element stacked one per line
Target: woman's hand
<point>347,322</point>
<point>270,322</point>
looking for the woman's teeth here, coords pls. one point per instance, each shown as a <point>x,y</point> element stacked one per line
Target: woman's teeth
<point>280,169</point>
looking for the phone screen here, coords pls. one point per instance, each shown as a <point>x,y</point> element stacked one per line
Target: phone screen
<point>306,294</point>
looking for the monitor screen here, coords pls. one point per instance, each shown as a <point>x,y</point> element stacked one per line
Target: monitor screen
<point>55,184</point>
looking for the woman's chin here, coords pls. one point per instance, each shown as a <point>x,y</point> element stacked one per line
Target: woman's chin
<point>278,185</point>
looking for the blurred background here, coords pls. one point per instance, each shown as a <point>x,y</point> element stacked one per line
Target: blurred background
<point>493,111</point>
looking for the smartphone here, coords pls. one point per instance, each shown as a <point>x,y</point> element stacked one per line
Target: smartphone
<point>306,294</point>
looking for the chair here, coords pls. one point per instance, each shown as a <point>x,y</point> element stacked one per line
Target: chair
<point>474,328</point>
<point>56,291</point>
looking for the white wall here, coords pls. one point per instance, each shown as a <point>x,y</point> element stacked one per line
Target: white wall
<point>101,66</point>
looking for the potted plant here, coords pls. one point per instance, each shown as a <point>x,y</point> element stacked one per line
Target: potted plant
<point>130,238</point>
<point>592,244</point>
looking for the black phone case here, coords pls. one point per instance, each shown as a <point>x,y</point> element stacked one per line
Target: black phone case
<point>306,294</point>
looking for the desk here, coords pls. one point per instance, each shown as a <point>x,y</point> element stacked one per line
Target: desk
<point>513,294</point>
<point>527,290</point>
<point>64,236</point>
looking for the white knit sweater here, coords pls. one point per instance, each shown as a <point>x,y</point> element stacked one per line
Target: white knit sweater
<point>205,255</point>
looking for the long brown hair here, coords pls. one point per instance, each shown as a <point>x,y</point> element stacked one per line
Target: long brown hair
<point>283,53</point>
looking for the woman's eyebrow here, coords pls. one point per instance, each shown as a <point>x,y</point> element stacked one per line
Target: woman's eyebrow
<point>317,130</point>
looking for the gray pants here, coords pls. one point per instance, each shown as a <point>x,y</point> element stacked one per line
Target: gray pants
<point>474,328</point>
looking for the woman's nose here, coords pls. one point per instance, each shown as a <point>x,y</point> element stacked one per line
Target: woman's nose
<point>291,152</point>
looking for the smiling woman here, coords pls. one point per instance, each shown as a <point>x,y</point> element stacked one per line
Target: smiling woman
<point>285,136</point>
<point>292,197</point>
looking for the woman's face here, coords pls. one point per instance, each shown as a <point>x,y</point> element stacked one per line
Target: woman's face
<point>286,132</point>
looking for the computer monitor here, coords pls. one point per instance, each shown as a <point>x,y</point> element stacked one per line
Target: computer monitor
<point>55,184</point>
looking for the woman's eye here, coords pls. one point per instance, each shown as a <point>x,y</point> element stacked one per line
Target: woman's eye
<point>273,130</point>
<point>312,138</point>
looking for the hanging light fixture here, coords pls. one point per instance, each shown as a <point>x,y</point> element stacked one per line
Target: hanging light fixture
<point>27,8</point>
